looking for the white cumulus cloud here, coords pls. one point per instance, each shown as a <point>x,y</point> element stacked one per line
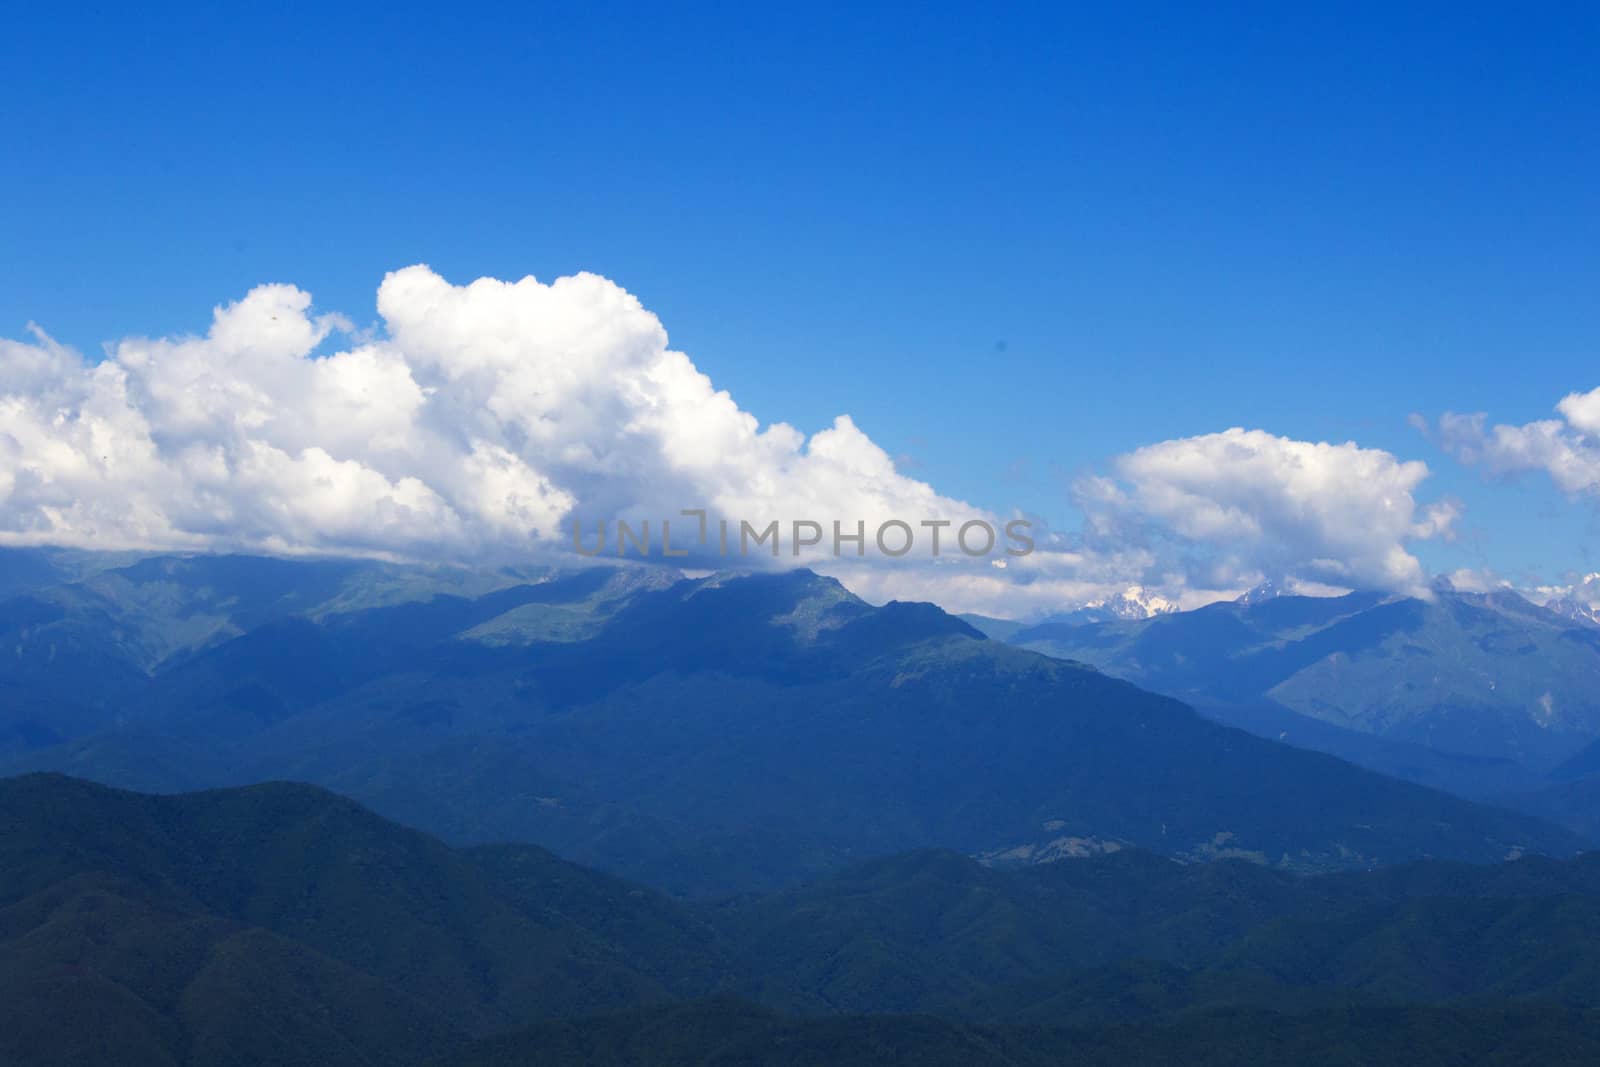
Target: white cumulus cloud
<point>1248,504</point>
<point>482,419</point>
<point>479,421</point>
<point>1567,449</point>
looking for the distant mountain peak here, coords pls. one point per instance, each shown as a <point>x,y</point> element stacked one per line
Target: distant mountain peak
<point>1133,603</point>
<point>822,604</point>
<point>1260,594</point>
<point>1137,602</point>
<point>1573,609</point>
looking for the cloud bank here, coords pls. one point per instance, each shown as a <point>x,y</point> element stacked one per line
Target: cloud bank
<point>478,421</point>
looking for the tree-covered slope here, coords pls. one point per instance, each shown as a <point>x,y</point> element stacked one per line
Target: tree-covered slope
<point>282,924</point>
<point>422,919</point>
<point>723,1034</point>
<point>97,970</point>
<point>1476,692</point>
<point>746,732</point>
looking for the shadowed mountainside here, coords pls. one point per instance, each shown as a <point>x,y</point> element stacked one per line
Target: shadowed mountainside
<point>730,733</point>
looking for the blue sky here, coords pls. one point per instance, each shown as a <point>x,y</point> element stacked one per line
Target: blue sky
<point>1009,246</point>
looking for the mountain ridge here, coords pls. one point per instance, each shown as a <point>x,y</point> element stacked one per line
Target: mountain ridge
<point>282,924</point>
<point>1476,674</point>
<point>725,733</point>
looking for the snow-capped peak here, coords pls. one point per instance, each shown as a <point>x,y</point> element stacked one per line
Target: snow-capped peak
<point>1576,610</point>
<point>1260,594</point>
<point>1134,602</point>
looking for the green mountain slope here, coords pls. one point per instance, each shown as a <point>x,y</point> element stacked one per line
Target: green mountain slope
<point>1464,675</point>
<point>314,868</point>
<point>728,1033</point>
<point>729,733</point>
<point>938,932</point>
<point>281,924</point>
<point>93,971</point>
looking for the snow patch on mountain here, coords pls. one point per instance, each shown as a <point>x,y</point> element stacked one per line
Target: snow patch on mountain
<point>1134,602</point>
<point>1579,602</point>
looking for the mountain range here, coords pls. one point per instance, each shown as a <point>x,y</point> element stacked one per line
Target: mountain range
<point>708,735</point>
<point>282,924</point>
<point>1486,695</point>
<point>1579,603</point>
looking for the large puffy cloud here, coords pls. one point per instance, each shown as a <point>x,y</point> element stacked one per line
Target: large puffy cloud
<point>482,419</point>
<point>1246,504</point>
<point>479,421</point>
<point>1568,448</point>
